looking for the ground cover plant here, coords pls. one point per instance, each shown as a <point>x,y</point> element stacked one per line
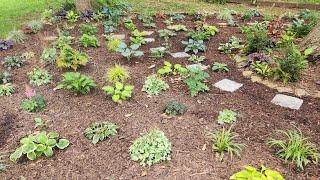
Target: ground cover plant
<point>154,85</point>
<point>100,131</point>
<point>76,82</point>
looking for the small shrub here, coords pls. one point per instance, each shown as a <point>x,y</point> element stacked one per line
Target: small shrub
<point>89,41</point>
<point>117,73</point>
<point>178,27</point>
<point>295,148</point>
<point>35,26</point>
<point>250,172</point>
<point>39,77</point>
<point>6,89</point>
<point>196,59</point>
<point>42,143</point>
<point>5,45</point>
<point>227,116</point>
<point>12,62</point>
<point>76,82</point>
<point>119,92</point>
<point>16,36</point>
<point>100,131</point>
<point>34,103</point>
<point>70,58</point>
<point>300,28</point>
<point>194,46</point>
<point>129,52</point>
<point>257,39</point>
<point>174,108</point>
<point>5,77</point>
<point>154,85</point>
<point>224,141</point>
<point>220,67</point>
<point>88,29</point>
<point>151,148</point>
<point>166,34</point>
<point>72,16</point>
<point>49,55</point>
<point>195,79</point>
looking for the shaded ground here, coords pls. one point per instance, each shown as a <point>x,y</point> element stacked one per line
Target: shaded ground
<point>192,157</point>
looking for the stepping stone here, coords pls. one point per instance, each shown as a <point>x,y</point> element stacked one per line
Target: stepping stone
<point>119,36</point>
<point>149,40</point>
<point>148,33</point>
<point>287,101</point>
<point>199,65</point>
<point>228,85</point>
<point>158,48</point>
<point>50,38</point>
<point>180,55</point>
<point>222,24</point>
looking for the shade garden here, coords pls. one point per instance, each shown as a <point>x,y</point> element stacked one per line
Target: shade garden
<point>111,94</point>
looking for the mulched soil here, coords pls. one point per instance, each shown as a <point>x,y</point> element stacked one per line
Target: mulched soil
<point>192,157</point>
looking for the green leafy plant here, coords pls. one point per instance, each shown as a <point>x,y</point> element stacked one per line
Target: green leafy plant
<point>129,52</point>
<point>177,16</point>
<point>35,26</point>
<point>38,123</point>
<point>88,29</point>
<point>72,16</point>
<point>195,81</point>
<point>210,30</point>
<point>76,82</point>
<point>286,40</point>
<point>225,14</point>
<point>49,55</point>
<point>113,44</point>
<point>154,85</point>
<point>166,34</point>
<point>39,77</point>
<point>89,41</point>
<point>147,20</point>
<point>34,103</point>
<point>262,68</point>
<point>290,65</point>
<point>138,40</point>
<point>227,116</point>
<point>178,27</point>
<point>100,131</point>
<point>194,46</point>
<point>117,73</point>
<point>128,23</point>
<point>174,108</point>
<point>17,36</point>
<point>6,89</point>
<point>12,62</point>
<point>109,26</point>
<point>151,148</point>
<point>196,59</point>
<point>5,77</point>
<point>70,58</point>
<point>158,52</point>
<point>300,28</point>
<point>257,39</point>
<point>198,35</point>
<point>169,69</point>
<point>295,148</point>
<point>63,40</point>
<point>234,44</point>
<point>119,92</point>
<point>225,141</point>
<point>250,172</point>
<point>42,143</point>
<point>220,67</point>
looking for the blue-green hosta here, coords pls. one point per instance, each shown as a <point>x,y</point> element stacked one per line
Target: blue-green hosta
<point>37,145</point>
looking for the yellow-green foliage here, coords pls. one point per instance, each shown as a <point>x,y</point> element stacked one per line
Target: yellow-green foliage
<point>117,73</point>
<point>113,44</point>
<point>70,58</point>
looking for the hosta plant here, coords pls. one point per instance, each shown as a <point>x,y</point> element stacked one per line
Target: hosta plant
<point>117,73</point>
<point>158,52</point>
<point>147,20</point>
<point>220,67</point>
<point>194,46</point>
<point>72,16</point>
<point>5,45</point>
<point>210,30</point>
<point>234,44</point>
<point>178,27</point>
<point>89,41</point>
<point>39,77</point>
<point>70,58</point>
<point>6,89</point>
<point>166,34</point>
<point>35,26</point>
<point>169,69</point>
<point>128,23</point>
<point>49,55</point>
<point>151,148</point>
<point>262,68</point>
<point>177,16</point>
<point>88,29</point>
<point>12,62</point>
<point>198,35</point>
<point>100,131</point>
<point>224,141</point>
<point>39,144</point>
<point>63,40</point>
<point>109,26</point>
<point>227,116</point>
<point>113,44</point>
<point>195,81</point>
<point>5,77</point>
<point>174,108</point>
<point>76,82</point>
<point>16,36</point>
<point>250,172</point>
<point>154,85</point>
<point>296,148</point>
<point>119,92</point>
<point>196,59</point>
<point>129,52</point>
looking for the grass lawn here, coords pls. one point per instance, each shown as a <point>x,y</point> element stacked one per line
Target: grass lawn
<point>16,12</point>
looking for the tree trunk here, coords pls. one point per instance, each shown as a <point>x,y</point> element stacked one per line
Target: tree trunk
<point>312,40</point>
<point>83,5</point>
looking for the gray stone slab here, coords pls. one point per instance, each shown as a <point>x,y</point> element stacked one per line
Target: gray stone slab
<point>287,101</point>
<point>158,48</point>
<point>228,85</point>
<point>199,65</point>
<point>119,36</point>
<point>148,33</point>
<point>149,40</point>
<point>180,55</point>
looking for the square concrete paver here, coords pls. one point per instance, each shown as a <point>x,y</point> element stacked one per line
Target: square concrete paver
<point>228,85</point>
<point>180,55</point>
<point>287,101</point>
<point>149,40</point>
